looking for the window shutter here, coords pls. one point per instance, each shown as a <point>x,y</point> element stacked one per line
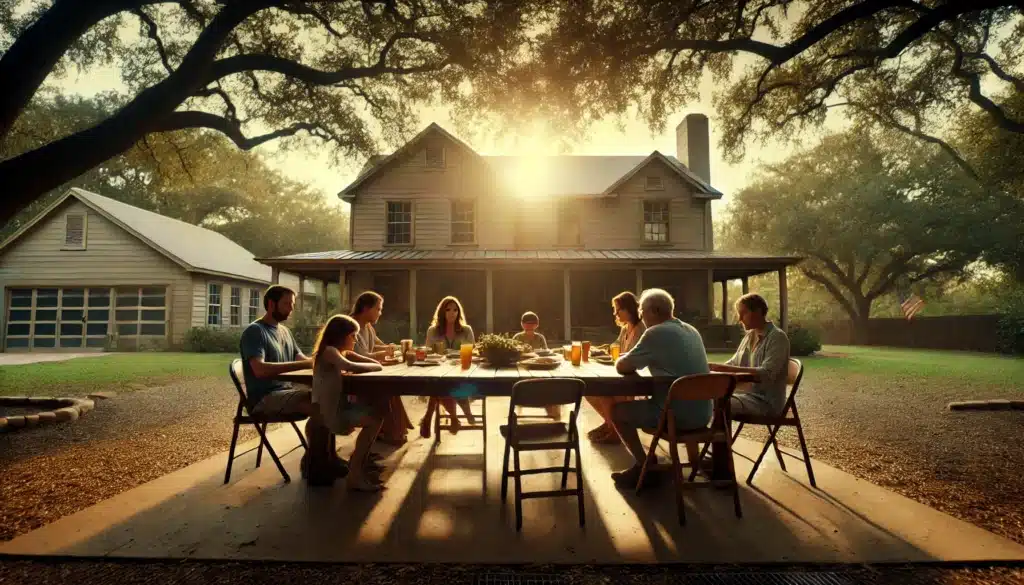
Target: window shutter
<point>74,231</point>
<point>435,156</point>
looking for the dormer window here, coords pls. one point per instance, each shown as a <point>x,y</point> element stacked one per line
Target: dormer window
<point>435,157</point>
<point>654,183</point>
<point>74,231</point>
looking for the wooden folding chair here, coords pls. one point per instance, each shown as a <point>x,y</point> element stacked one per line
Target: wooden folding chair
<point>543,436</point>
<point>774,423</point>
<point>715,387</point>
<point>243,416</point>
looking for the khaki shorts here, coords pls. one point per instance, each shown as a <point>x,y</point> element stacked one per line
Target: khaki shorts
<point>750,405</point>
<point>284,402</point>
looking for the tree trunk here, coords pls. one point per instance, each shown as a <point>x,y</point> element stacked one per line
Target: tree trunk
<point>860,323</point>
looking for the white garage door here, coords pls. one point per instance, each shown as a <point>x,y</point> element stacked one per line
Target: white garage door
<point>85,318</point>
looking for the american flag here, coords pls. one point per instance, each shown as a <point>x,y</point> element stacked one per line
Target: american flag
<point>911,306</point>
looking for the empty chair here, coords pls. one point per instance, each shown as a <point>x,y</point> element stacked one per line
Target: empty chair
<point>521,435</point>
<point>243,416</point>
<point>715,387</point>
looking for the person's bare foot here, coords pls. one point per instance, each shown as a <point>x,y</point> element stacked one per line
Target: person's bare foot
<point>602,430</point>
<point>627,478</point>
<point>425,428</point>
<point>362,483</point>
<point>456,424</point>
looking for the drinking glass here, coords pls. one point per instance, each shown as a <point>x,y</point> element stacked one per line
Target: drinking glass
<point>586,351</point>
<point>577,353</point>
<point>421,354</point>
<point>614,350</point>
<point>567,352</point>
<point>466,355</point>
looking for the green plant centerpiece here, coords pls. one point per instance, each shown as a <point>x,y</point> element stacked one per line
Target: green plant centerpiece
<point>500,350</point>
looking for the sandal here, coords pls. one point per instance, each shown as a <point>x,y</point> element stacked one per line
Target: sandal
<point>602,430</point>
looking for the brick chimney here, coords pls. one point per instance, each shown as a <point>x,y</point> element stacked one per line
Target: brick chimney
<point>693,145</point>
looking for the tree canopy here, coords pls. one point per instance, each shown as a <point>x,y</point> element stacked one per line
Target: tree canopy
<point>193,175</point>
<point>344,73</point>
<point>867,219</point>
<point>781,65</point>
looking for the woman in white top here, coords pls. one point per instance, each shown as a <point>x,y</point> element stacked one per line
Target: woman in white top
<point>448,326</point>
<point>366,311</point>
<point>332,360</point>
<point>627,316</point>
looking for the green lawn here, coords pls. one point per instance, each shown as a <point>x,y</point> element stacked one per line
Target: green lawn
<point>117,372</point>
<point>124,371</point>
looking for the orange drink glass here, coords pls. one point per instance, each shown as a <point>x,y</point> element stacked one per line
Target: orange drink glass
<point>586,351</point>
<point>577,353</point>
<point>613,349</point>
<point>466,355</point>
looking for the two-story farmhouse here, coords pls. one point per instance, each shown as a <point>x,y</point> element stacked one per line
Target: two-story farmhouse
<point>558,235</point>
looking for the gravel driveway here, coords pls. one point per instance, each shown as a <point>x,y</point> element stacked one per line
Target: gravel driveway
<point>53,471</point>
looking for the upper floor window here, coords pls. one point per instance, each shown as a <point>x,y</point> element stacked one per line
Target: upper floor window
<point>463,222</point>
<point>654,183</point>
<point>254,305</point>
<point>74,231</point>
<point>213,304</point>
<point>656,221</point>
<point>399,222</point>
<point>435,157</point>
<point>569,223</point>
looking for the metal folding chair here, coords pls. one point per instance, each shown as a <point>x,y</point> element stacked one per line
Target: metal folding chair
<point>243,416</point>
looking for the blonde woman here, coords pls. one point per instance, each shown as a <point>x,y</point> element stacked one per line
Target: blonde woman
<point>627,317</point>
<point>449,327</point>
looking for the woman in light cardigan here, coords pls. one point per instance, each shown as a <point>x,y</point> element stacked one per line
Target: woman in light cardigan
<point>449,327</point>
<point>627,316</point>
<point>366,311</point>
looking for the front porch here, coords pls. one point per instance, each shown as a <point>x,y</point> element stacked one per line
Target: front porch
<point>571,290</point>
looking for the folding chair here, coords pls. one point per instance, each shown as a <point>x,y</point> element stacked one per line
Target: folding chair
<point>447,423</point>
<point>774,423</point>
<point>546,436</point>
<point>258,421</point>
<point>715,387</point>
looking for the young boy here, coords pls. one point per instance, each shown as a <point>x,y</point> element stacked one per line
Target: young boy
<point>529,335</point>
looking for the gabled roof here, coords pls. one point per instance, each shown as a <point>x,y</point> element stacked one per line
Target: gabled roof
<point>192,247</point>
<point>567,174</point>
<point>377,163</point>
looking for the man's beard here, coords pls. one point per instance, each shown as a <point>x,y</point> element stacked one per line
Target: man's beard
<point>279,316</point>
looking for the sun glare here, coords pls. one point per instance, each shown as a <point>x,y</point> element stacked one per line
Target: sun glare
<point>527,176</point>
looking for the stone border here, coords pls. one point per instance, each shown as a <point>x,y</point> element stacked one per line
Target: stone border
<point>987,405</point>
<point>62,410</point>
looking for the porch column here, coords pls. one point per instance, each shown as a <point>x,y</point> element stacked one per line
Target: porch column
<point>343,292</point>
<point>275,275</point>
<point>639,282</point>
<point>710,306</point>
<point>490,301</point>
<point>783,300</point>
<point>302,292</point>
<point>746,285</point>
<point>412,304</point>
<point>725,302</point>
<point>324,307</point>
<point>568,304</point>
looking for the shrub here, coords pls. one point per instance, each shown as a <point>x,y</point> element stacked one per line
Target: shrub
<point>1010,328</point>
<point>803,341</point>
<point>212,340</point>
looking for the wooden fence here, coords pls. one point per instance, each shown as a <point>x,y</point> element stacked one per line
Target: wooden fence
<point>958,332</point>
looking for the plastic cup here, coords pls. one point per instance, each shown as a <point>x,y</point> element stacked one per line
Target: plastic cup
<point>613,349</point>
<point>586,351</point>
<point>577,353</point>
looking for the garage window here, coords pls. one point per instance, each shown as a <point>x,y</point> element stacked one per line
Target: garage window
<point>141,312</point>
<point>51,318</point>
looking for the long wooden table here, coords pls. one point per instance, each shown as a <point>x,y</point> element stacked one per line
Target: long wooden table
<point>449,379</point>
